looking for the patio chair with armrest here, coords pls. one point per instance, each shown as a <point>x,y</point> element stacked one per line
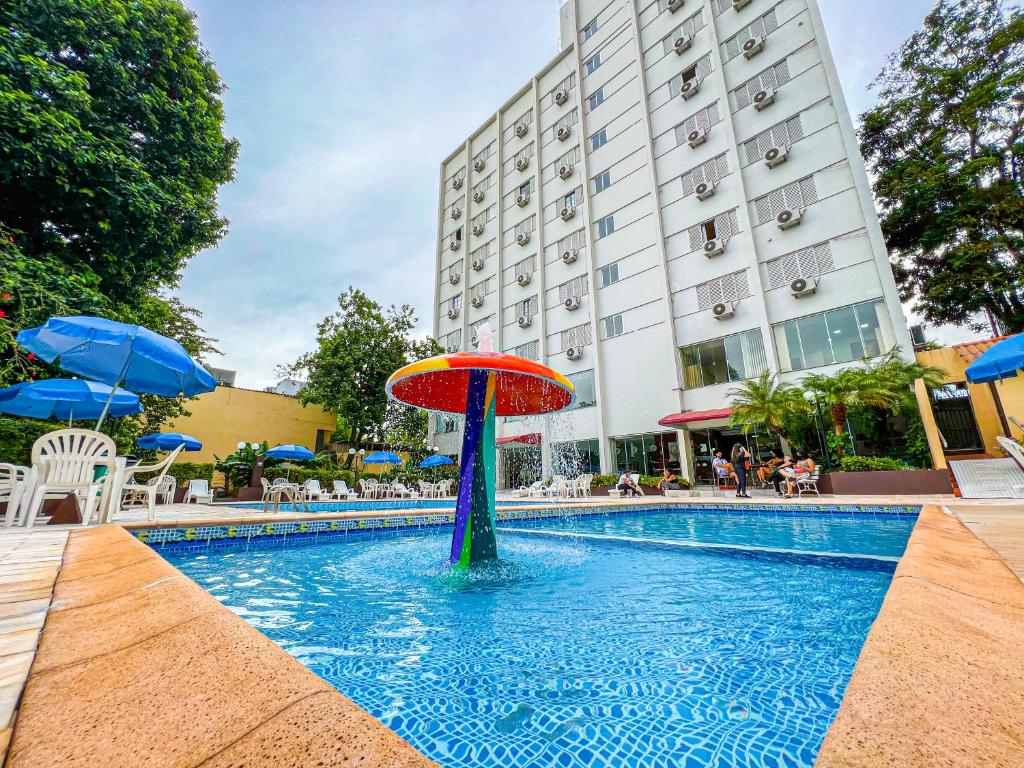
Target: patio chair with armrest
<point>14,481</point>
<point>807,482</point>
<point>342,491</point>
<point>144,493</point>
<point>275,494</point>
<point>70,461</point>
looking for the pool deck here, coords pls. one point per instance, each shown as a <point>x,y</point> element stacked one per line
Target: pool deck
<point>130,667</point>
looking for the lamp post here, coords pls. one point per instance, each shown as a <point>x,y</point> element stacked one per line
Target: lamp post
<point>819,427</point>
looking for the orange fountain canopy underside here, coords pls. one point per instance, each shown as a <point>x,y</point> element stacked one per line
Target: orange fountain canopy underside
<point>522,387</point>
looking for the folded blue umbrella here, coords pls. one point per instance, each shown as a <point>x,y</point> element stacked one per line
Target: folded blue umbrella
<point>1000,361</point>
<point>168,441</point>
<point>118,354</point>
<point>382,457</point>
<point>66,399</point>
<point>291,452</point>
<point>436,460</point>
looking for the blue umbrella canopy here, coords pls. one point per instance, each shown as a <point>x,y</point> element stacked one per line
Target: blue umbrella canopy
<point>66,399</point>
<point>382,457</point>
<point>168,441</point>
<point>436,460</point>
<point>118,353</point>
<point>1000,361</point>
<point>291,452</point>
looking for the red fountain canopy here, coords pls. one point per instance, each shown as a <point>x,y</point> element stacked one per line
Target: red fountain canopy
<point>522,387</point>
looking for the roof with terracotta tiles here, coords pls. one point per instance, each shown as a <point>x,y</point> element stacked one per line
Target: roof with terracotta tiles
<point>970,351</point>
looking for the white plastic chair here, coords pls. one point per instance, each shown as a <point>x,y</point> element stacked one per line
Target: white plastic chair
<point>66,461</point>
<point>166,487</point>
<point>199,491</point>
<point>311,490</point>
<point>402,491</point>
<point>342,491</point>
<point>13,485</point>
<point>146,492</point>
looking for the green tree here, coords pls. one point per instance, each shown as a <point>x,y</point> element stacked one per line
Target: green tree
<point>945,147</point>
<point>358,348</point>
<point>768,403</point>
<point>111,139</point>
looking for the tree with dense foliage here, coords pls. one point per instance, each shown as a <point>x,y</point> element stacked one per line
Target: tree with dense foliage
<point>768,403</point>
<point>945,144</point>
<point>358,348</point>
<point>111,139</point>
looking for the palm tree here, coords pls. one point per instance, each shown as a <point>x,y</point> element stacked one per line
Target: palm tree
<point>765,402</point>
<point>885,383</point>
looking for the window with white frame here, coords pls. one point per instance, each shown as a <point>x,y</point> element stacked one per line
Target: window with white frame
<point>807,262</point>
<point>577,336</point>
<point>839,335</point>
<point>459,176</point>
<point>483,217</point>
<point>605,226</point>
<point>799,194</point>
<point>588,31</point>
<point>709,171</point>
<point>735,357</point>
<point>572,199</point>
<point>586,393</point>
<point>696,71</point>
<point>524,190</point>
<point>608,274</point>
<point>771,78</point>
<point>721,227</point>
<point>527,307</point>
<point>723,289</point>
<point>447,423</point>
<point>572,289</point>
<point>595,99</point>
<point>602,181</point>
<point>593,63</point>
<point>720,6</point>
<point>598,139</point>
<point>612,326</point>
<point>759,28</point>
<point>454,303</point>
<point>688,28</point>
<point>783,135</point>
<point>702,120</point>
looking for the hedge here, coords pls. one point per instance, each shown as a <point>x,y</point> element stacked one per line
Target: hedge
<point>301,475</point>
<point>872,464</point>
<point>650,481</point>
<point>188,470</point>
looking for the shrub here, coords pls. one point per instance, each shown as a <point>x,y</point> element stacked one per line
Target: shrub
<point>301,475</point>
<point>871,464</point>
<point>650,481</point>
<point>18,435</point>
<point>188,470</point>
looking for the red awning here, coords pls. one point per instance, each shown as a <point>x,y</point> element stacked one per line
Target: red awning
<point>533,438</point>
<point>689,417</point>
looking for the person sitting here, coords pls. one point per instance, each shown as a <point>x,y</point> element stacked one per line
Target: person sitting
<point>668,482</point>
<point>723,469</point>
<point>804,466</point>
<point>627,485</point>
<point>767,468</point>
<point>779,476</point>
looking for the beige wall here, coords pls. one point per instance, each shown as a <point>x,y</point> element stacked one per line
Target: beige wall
<point>228,415</point>
<point>1010,391</point>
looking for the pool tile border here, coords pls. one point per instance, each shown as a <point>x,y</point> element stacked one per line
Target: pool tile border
<point>199,536</point>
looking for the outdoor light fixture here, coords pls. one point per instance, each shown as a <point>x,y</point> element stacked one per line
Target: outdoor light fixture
<point>351,451</point>
<point>255,446</point>
<point>240,446</point>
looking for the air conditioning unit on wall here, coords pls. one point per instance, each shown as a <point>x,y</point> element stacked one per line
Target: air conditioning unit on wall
<point>704,190</point>
<point>457,182</point>
<point>572,303</point>
<point>524,321</point>
<point>682,44</point>
<point>803,286</point>
<point>714,248</point>
<point>574,353</point>
<point>697,136</point>
<point>568,257</point>
<point>524,279</point>
<point>753,46</point>
<point>478,164</point>
<point>561,96</point>
<point>523,238</point>
<point>776,156</point>
<point>565,170</point>
<point>454,278</point>
<point>790,218</point>
<point>568,212</point>
<point>723,310</point>
<point>763,98</point>
<point>690,88</point>
<point>564,133</point>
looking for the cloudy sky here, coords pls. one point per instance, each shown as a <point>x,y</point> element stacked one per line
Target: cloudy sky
<point>344,111</point>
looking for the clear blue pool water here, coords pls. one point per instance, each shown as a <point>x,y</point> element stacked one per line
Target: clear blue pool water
<point>883,534</point>
<point>373,505</point>
<point>570,651</point>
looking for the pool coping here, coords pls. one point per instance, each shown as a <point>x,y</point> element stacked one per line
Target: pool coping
<point>940,679</point>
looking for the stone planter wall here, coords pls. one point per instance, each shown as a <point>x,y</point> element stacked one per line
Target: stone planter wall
<point>924,481</point>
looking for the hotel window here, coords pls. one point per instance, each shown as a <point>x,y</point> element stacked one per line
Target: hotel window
<point>609,274</point>
<point>599,139</point>
<point>602,181</point>
<point>445,424</point>
<point>569,201</point>
<point>605,226</point>
<point>530,350</point>
<point>586,394</point>
<point>719,361</point>
<point>589,30</point>
<point>595,99</point>
<point>612,326</point>
<point>593,62</point>
<point>525,189</point>
<point>836,336</point>
<point>575,458</point>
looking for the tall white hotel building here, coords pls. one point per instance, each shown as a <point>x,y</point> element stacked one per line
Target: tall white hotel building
<point>676,202</point>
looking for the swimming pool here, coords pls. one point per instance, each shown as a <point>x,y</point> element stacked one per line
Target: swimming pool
<point>380,504</point>
<point>844,532</point>
<point>570,651</point>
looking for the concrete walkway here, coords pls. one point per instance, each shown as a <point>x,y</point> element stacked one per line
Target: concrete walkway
<point>1000,526</point>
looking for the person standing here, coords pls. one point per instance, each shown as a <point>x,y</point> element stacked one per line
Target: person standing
<point>740,458</point>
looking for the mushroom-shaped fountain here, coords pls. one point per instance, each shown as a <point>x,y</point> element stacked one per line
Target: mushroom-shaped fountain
<point>482,385</point>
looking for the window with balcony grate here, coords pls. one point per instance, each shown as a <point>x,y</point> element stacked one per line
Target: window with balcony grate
<point>707,172</point>
<point>721,227</point>
<point>808,262</point>
<point>530,350</point>
<point>773,77</point>
<point>689,27</point>
<point>702,120</point>
<point>526,267</point>
<point>726,288</point>
<point>799,194</point>
<point>697,71</point>
<point>571,289</point>
<point>785,134</point>
<point>577,336</point>
<point>761,28</point>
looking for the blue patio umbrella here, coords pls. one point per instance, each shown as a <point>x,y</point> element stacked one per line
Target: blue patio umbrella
<point>1000,361</point>
<point>118,353</point>
<point>66,399</point>
<point>436,460</point>
<point>382,457</point>
<point>168,441</point>
<point>291,452</point>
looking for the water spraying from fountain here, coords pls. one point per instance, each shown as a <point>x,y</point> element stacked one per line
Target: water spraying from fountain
<point>482,385</point>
